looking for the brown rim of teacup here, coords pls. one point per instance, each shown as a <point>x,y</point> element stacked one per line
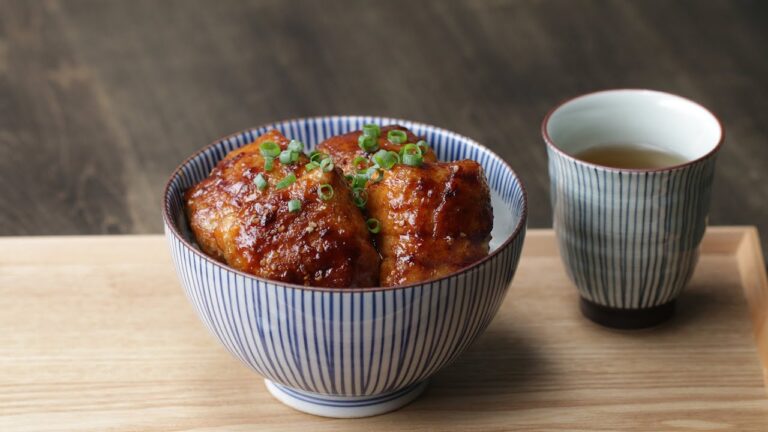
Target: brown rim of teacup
<point>551,143</point>
<point>175,232</point>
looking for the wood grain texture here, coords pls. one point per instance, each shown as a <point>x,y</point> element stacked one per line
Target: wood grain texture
<point>101,100</point>
<point>96,335</point>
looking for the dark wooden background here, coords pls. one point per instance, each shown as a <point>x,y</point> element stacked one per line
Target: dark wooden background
<point>100,100</point>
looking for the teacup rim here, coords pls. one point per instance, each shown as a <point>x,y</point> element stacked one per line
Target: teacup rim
<point>551,144</point>
<point>171,226</point>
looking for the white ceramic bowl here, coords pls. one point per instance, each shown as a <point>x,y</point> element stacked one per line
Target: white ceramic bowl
<point>349,352</point>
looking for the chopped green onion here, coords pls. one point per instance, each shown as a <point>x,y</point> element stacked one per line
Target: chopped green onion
<point>268,163</point>
<point>372,130</point>
<point>373,225</point>
<point>326,165</point>
<point>349,178</point>
<point>360,160</point>
<point>411,155</point>
<point>269,149</point>
<point>397,136</point>
<point>368,143</point>
<point>260,181</point>
<point>386,159</point>
<point>359,197</point>
<point>413,159</point>
<point>311,165</point>
<point>325,192</point>
<point>287,156</point>
<point>410,149</point>
<point>317,156</point>
<point>286,181</point>
<point>423,146</point>
<point>296,145</point>
<point>359,181</point>
<point>294,205</point>
<point>374,174</point>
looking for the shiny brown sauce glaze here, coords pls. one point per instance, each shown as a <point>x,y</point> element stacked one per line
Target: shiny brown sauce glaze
<point>435,219</point>
<point>325,244</point>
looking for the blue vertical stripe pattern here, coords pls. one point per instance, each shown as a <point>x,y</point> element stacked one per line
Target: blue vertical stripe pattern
<point>337,342</point>
<point>629,239</point>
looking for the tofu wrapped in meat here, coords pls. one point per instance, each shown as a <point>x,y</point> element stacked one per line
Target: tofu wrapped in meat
<point>434,220</point>
<point>286,223</point>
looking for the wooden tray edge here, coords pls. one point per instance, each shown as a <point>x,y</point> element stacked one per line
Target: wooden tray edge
<point>749,256</point>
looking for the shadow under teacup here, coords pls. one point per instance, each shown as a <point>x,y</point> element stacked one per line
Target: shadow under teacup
<point>629,237</point>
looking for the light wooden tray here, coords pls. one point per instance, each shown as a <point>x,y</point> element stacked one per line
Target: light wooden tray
<point>96,335</point>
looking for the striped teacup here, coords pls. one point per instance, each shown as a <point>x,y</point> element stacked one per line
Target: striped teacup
<point>629,238</point>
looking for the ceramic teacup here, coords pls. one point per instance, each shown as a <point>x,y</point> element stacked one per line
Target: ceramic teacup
<point>629,238</point>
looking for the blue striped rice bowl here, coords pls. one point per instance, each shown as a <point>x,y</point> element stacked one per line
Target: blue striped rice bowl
<point>358,351</point>
<point>629,238</point>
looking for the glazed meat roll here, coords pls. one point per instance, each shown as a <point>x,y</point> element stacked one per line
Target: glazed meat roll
<point>434,220</point>
<point>287,223</point>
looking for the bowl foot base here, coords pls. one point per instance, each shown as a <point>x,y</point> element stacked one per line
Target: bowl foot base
<point>344,406</point>
<point>627,319</point>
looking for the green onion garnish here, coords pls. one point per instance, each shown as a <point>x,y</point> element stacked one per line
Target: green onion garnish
<point>360,197</point>
<point>311,165</point>
<point>397,136</point>
<point>326,165</point>
<point>375,174</point>
<point>260,181</point>
<point>423,146</point>
<point>296,145</point>
<point>325,192</point>
<point>410,149</point>
<point>368,143</point>
<point>386,159</point>
<point>359,181</point>
<point>286,181</point>
<point>411,155</point>
<point>286,156</point>
<point>269,149</point>
<point>269,162</point>
<point>413,159</point>
<point>373,225</point>
<point>372,130</point>
<point>360,160</point>
<point>317,156</point>
<point>294,205</point>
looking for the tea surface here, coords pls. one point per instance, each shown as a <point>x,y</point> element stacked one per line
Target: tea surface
<point>631,156</point>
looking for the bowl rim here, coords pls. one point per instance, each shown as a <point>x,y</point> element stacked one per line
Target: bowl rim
<point>178,171</point>
<point>551,143</point>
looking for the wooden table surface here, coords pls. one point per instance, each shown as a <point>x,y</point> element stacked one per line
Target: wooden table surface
<point>99,101</point>
<point>102,338</point>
